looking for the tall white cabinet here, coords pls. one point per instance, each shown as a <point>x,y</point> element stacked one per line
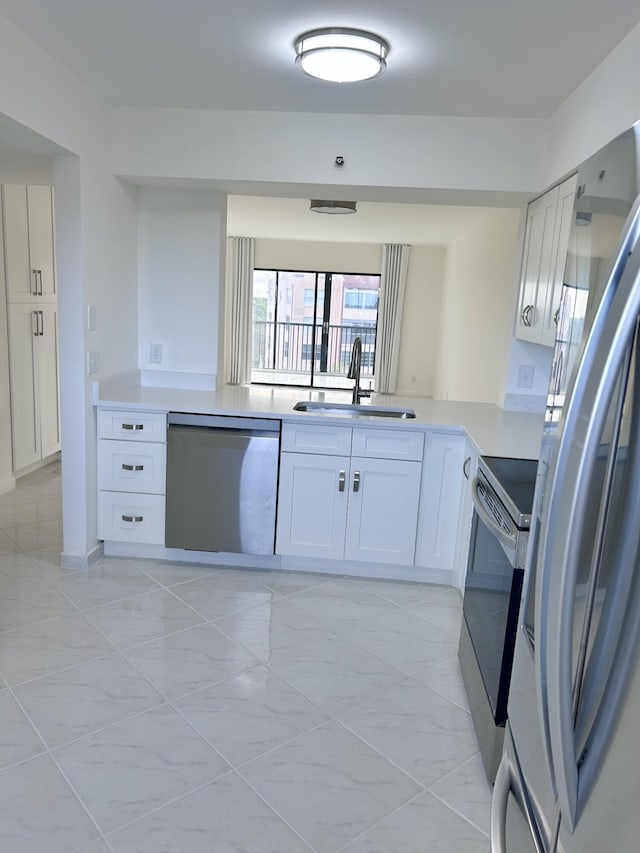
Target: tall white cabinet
<point>546,242</point>
<point>32,318</point>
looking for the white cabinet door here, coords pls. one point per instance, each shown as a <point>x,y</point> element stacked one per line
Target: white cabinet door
<point>312,505</point>
<point>22,282</point>
<point>23,369</point>
<point>384,495</point>
<point>536,266</point>
<point>564,220</point>
<point>33,367</point>
<point>440,501</point>
<point>48,390</point>
<point>28,233</point>
<point>40,218</point>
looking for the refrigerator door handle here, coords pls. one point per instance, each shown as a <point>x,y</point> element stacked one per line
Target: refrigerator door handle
<point>508,782</point>
<point>499,803</point>
<point>595,383</point>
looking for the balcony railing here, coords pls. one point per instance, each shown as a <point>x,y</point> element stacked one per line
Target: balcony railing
<point>289,347</point>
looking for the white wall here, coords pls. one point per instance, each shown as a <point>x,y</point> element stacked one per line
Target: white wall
<point>477,310</point>
<point>181,252</point>
<point>95,251</point>
<point>26,169</point>
<point>604,105</point>
<point>324,257</point>
<point>484,154</point>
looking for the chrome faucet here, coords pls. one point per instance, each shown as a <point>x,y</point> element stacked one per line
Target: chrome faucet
<point>354,371</point>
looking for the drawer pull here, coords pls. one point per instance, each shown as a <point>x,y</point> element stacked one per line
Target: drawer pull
<point>133,426</point>
<point>126,467</point>
<point>135,518</point>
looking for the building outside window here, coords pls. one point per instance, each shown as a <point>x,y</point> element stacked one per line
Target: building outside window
<point>304,325</point>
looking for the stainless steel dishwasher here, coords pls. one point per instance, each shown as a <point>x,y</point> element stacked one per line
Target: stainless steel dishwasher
<point>222,483</point>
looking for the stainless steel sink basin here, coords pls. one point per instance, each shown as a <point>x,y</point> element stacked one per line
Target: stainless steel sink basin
<point>352,409</point>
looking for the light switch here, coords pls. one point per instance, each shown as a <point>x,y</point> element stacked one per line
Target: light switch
<point>91,318</point>
<point>93,361</point>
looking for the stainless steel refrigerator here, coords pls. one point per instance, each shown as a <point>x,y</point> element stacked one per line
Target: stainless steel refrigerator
<point>569,779</point>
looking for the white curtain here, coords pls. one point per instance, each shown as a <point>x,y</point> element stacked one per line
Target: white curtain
<point>393,279</point>
<point>241,285</point>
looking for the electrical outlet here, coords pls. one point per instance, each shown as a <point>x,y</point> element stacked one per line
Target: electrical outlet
<point>155,353</point>
<point>525,376</point>
<point>93,361</point>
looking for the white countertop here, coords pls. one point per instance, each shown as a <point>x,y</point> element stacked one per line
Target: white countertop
<point>494,431</point>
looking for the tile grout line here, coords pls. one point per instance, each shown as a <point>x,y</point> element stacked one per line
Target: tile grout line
<point>52,757</point>
<point>454,810</point>
<point>258,662</point>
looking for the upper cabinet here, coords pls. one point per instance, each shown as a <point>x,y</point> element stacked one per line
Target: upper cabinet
<point>545,252</point>
<point>28,232</point>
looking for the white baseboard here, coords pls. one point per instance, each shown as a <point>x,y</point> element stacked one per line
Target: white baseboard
<point>178,555</point>
<point>81,562</point>
<point>7,484</point>
<point>376,571</point>
<point>380,571</point>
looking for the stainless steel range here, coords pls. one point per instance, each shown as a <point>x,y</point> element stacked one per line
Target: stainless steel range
<point>502,493</point>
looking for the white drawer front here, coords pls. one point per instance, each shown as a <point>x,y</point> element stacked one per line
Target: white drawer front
<point>125,466</point>
<point>132,426</point>
<point>307,438</point>
<point>388,444</point>
<point>126,517</point>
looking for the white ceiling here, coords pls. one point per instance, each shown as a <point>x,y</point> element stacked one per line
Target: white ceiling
<point>508,58</point>
<point>291,219</point>
<point>448,57</point>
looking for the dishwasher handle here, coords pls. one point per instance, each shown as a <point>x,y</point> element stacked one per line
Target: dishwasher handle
<point>223,422</point>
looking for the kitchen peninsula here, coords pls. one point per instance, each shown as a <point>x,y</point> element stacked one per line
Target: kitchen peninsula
<point>405,513</point>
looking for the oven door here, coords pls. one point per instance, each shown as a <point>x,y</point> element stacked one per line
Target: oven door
<point>491,603</point>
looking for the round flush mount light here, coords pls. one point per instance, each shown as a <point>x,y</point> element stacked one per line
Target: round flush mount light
<point>326,206</point>
<point>341,55</point>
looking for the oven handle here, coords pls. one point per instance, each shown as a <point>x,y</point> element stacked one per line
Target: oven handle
<point>488,520</point>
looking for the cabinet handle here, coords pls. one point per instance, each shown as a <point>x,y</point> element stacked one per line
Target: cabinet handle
<point>40,281</point>
<point>465,467</point>
<point>35,326</point>
<point>134,427</point>
<point>34,273</point>
<point>135,518</point>
<point>526,315</point>
<point>342,479</point>
<point>556,317</point>
<point>356,481</point>
<point>41,315</point>
<point>126,467</point>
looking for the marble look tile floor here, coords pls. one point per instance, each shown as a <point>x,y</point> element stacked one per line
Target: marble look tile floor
<point>151,707</point>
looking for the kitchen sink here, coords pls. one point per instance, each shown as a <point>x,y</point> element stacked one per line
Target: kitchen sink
<point>353,409</point>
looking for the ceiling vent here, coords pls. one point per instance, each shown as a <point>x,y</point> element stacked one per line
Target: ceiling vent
<point>325,206</point>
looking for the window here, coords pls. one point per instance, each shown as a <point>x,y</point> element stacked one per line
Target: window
<point>361,299</point>
<point>305,323</point>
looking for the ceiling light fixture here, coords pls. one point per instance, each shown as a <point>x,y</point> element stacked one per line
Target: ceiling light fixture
<point>341,55</point>
<point>326,206</point>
